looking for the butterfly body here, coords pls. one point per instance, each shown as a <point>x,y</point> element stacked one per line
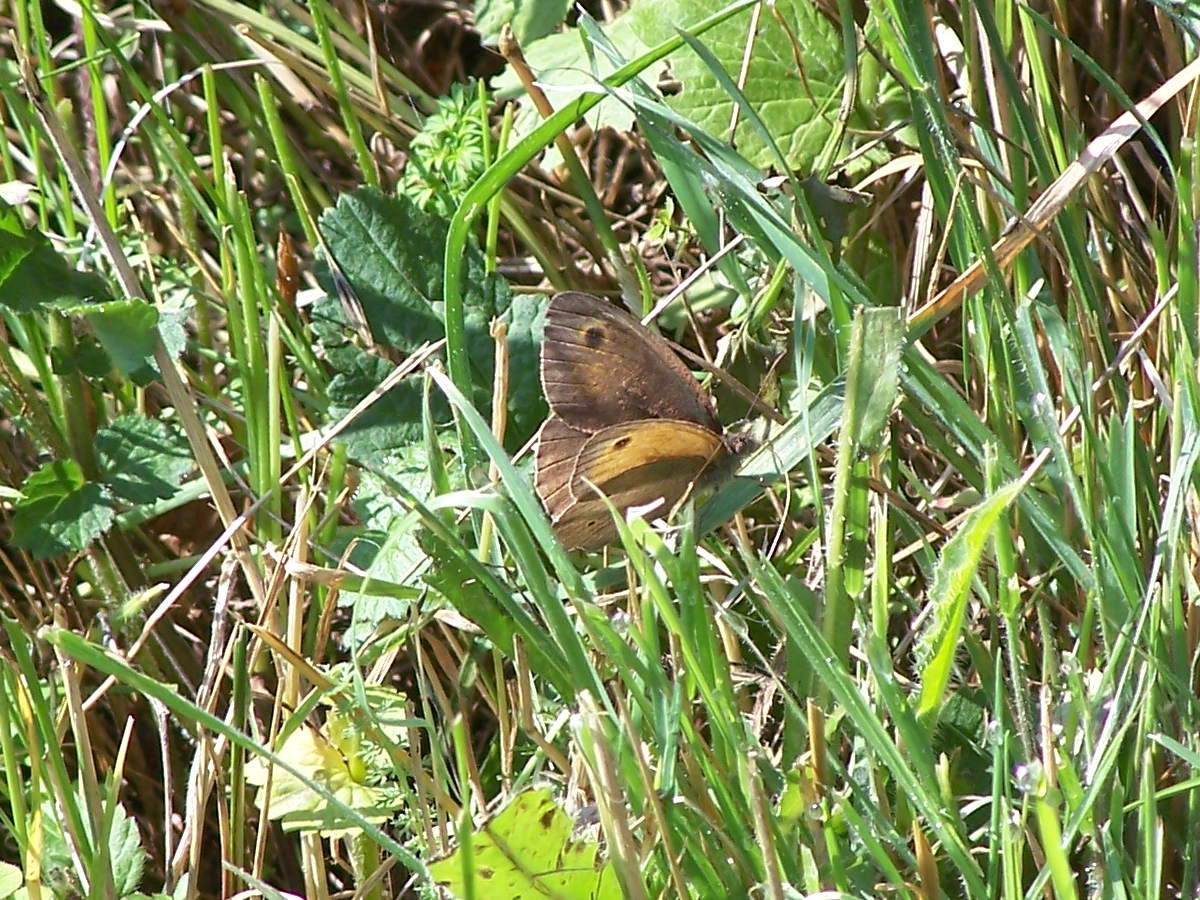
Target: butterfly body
<point>627,420</point>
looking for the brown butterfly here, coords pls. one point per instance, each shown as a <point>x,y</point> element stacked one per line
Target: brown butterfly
<point>626,416</point>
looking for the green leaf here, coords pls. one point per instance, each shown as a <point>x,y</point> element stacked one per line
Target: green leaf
<point>873,376</point>
<point>391,422</point>
<point>391,254</point>
<point>530,19</point>
<point>128,854</point>
<point>956,567</point>
<point>59,511</point>
<point>795,77</point>
<point>142,459</point>
<point>124,849</point>
<point>128,331</point>
<point>33,275</point>
<point>446,156</point>
<point>526,851</point>
<point>11,879</point>
<point>88,358</point>
<point>298,807</point>
<point>786,449</point>
<point>385,547</point>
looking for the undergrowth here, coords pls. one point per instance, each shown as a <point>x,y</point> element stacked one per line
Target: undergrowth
<point>283,612</point>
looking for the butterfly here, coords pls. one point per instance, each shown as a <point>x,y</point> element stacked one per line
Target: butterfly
<point>627,418</point>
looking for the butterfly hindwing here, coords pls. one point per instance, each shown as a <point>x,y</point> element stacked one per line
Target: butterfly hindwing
<point>558,445</point>
<point>632,464</point>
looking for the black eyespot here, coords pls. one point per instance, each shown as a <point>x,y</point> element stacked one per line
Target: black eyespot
<point>622,443</point>
<point>593,336</point>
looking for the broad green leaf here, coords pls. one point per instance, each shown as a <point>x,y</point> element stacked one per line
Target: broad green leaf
<point>795,77</point>
<point>956,567</point>
<point>530,19</point>
<point>527,852</point>
<point>11,879</point>
<point>385,545</point>
<point>391,253</point>
<point>142,459</point>
<point>59,511</point>
<point>124,849</point>
<point>128,854</point>
<point>391,422</point>
<point>299,808</point>
<point>33,275</point>
<point>128,331</point>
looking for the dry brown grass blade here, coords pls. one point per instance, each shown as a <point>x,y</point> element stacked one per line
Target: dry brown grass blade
<point>1043,210</point>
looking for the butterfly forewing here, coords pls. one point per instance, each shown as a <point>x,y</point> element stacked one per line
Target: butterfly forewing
<point>601,367</point>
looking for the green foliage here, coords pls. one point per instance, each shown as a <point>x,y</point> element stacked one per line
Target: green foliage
<point>957,566</point>
<point>11,880</point>
<point>126,854</point>
<point>873,382</point>
<point>345,759</point>
<point>529,19</point>
<point>391,254</point>
<point>385,542</point>
<point>33,275</point>
<point>446,155</point>
<point>794,80</point>
<point>60,510</point>
<point>912,666</point>
<point>527,850</point>
<point>128,331</point>
<point>142,460</point>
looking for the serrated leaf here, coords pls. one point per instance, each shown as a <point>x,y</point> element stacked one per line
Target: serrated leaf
<point>300,809</point>
<point>794,79</point>
<point>526,851</point>
<point>386,547</point>
<point>59,511</point>
<point>142,459</point>
<point>33,275</point>
<point>127,853</point>
<point>391,254</point>
<point>530,19</point>
<point>124,849</point>
<point>391,422</point>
